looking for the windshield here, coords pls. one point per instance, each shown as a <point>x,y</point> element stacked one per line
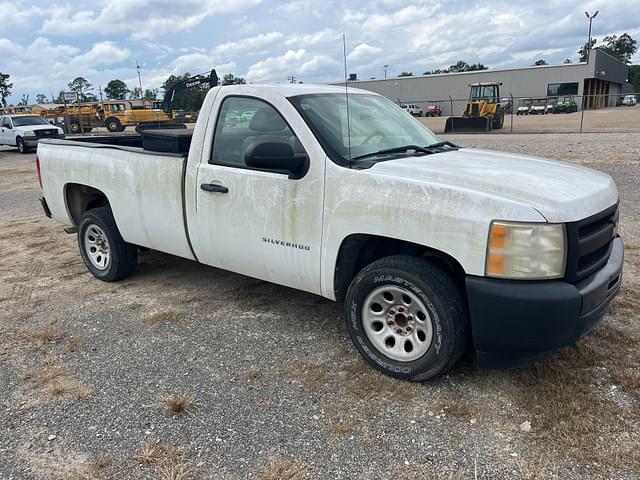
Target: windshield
<point>375,124</point>
<point>29,120</point>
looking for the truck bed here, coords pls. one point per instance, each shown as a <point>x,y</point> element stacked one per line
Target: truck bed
<point>144,188</point>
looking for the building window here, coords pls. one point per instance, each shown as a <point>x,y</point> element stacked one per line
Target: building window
<point>559,89</point>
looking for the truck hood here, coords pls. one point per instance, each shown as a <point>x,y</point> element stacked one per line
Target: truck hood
<point>36,127</point>
<point>559,191</point>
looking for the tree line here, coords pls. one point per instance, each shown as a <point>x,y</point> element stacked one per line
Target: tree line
<point>190,100</point>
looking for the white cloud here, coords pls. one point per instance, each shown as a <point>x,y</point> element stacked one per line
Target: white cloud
<point>363,51</point>
<point>13,13</point>
<point>315,38</point>
<point>142,19</point>
<point>250,45</point>
<point>103,53</point>
<point>293,62</point>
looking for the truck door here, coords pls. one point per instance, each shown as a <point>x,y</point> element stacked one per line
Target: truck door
<point>255,222</point>
<point>6,132</point>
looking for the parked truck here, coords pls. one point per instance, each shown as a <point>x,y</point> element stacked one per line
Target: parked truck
<point>431,247</point>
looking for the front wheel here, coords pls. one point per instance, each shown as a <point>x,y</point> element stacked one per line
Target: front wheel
<point>407,317</point>
<point>113,125</point>
<point>107,256</point>
<point>20,145</point>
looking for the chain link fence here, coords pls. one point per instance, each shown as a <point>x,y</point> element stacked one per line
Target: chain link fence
<point>561,114</point>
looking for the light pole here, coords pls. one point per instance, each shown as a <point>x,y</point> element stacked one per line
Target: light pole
<point>590,17</point>
<point>139,78</point>
<point>586,100</point>
<point>385,70</point>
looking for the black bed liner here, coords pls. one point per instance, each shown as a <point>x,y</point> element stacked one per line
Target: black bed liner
<point>159,141</point>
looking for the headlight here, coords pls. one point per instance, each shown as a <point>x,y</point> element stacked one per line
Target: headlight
<point>60,131</point>
<point>526,251</point>
<point>29,133</point>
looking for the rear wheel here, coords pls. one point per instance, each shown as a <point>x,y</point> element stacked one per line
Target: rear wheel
<point>107,256</point>
<point>74,127</point>
<point>407,317</point>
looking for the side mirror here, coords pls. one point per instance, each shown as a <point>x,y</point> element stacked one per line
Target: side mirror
<point>277,156</point>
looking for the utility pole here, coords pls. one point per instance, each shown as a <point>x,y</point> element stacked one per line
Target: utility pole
<point>100,90</point>
<point>139,78</point>
<point>292,79</point>
<point>385,70</point>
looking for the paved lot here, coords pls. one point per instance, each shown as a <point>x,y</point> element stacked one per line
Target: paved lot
<point>275,388</point>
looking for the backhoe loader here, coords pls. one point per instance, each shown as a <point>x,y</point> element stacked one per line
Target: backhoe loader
<point>483,111</point>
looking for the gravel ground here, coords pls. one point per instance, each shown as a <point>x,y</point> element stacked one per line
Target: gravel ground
<point>272,386</point>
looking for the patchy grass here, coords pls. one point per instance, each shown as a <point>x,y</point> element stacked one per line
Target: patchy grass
<point>572,414</point>
<point>165,461</point>
<point>427,472</point>
<point>43,335</point>
<point>163,315</point>
<point>176,403</point>
<point>72,345</point>
<point>51,377</point>
<point>342,427</point>
<point>280,468</point>
<point>539,469</point>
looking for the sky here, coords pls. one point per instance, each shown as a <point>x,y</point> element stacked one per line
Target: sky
<point>45,44</point>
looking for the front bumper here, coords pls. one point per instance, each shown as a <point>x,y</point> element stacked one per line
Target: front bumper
<point>515,323</point>
<point>32,142</point>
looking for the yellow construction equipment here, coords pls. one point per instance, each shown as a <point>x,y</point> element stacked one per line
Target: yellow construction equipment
<point>483,111</point>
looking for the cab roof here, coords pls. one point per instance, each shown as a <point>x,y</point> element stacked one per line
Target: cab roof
<point>292,89</point>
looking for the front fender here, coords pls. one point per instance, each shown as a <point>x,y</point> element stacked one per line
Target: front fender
<point>454,221</point>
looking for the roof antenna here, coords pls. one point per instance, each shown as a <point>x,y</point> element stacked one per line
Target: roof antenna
<point>346,94</point>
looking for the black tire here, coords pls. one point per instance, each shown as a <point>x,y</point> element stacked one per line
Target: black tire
<point>113,125</point>
<point>498,120</point>
<point>123,256</point>
<point>74,127</point>
<point>21,146</point>
<point>436,292</point>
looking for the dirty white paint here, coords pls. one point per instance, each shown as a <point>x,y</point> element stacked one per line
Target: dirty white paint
<point>290,231</point>
<point>144,191</point>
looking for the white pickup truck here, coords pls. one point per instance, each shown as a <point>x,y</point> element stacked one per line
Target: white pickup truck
<point>433,248</point>
<point>24,131</point>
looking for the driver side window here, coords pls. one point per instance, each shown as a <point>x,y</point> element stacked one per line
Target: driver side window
<point>244,121</point>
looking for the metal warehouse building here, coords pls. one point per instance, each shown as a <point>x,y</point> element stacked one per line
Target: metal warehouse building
<point>599,80</point>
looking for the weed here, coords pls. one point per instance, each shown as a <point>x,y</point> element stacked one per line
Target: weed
<point>52,378</point>
<point>176,403</point>
<point>279,468</point>
<point>167,462</point>
<point>161,316</point>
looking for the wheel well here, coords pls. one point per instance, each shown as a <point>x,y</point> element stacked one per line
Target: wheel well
<point>81,198</point>
<point>359,250</point>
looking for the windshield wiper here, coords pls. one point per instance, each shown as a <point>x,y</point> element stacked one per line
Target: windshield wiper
<point>402,149</point>
<point>442,144</point>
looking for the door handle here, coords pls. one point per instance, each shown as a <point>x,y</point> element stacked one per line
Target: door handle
<point>214,187</point>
